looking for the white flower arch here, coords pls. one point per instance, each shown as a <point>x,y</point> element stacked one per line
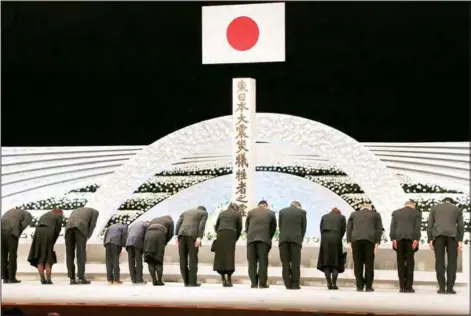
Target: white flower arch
<point>378,182</point>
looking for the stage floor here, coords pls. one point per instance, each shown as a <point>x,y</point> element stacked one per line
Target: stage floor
<point>423,302</point>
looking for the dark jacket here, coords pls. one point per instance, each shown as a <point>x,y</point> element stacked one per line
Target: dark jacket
<point>116,235</point>
<point>136,234</point>
<point>405,224</point>
<point>192,223</point>
<point>333,222</point>
<point>84,219</point>
<point>365,225</point>
<point>292,223</point>
<point>53,221</point>
<point>445,219</point>
<point>165,224</point>
<point>229,219</point>
<point>15,221</point>
<point>260,225</point>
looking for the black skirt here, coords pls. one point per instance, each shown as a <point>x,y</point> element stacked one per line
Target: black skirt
<point>331,254</point>
<point>224,251</point>
<point>154,247</point>
<point>42,248</point>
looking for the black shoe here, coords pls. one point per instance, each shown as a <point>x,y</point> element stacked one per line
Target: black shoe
<point>359,289</point>
<point>264,286</point>
<point>402,290</point>
<point>411,290</point>
<point>158,283</point>
<point>14,281</point>
<point>83,281</point>
<point>295,287</point>
<point>73,281</point>
<point>335,287</point>
<point>141,282</point>
<point>450,291</point>
<point>5,281</point>
<point>254,286</point>
<point>194,285</point>
<point>369,289</point>
<point>227,284</point>
<point>329,286</point>
<point>43,280</point>
<point>186,284</point>
<point>441,291</point>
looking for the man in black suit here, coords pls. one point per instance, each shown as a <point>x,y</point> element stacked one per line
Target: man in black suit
<point>292,222</point>
<point>160,232</point>
<point>260,226</point>
<point>114,241</point>
<point>364,232</point>
<point>79,229</point>
<point>14,222</point>
<point>135,249</point>
<point>445,234</point>
<point>190,230</point>
<point>405,236</point>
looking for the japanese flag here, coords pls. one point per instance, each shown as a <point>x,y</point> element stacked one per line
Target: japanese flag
<point>247,33</point>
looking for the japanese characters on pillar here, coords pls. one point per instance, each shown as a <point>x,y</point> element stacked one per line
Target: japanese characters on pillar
<point>243,157</point>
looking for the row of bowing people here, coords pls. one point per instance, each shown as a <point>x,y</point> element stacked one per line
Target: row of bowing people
<point>145,241</point>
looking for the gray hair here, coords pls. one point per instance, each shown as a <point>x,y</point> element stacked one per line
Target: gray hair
<point>367,206</point>
<point>296,204</point>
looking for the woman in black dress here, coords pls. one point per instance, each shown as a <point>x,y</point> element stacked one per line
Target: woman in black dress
<point>228,228</point>
<point>331,258</point>
<point>41,254</point>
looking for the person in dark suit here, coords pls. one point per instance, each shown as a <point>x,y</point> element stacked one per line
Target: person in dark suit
<point>331,259</point>
<point>364,232</point>
<point>159,233</point>
<point>260,226</point>
<point>79,229</point>
<point>14,222</point>
<point>135,249</point>
<point>405,236</point>
<point>292,222</point>
<point>190,230</point>
<point>114,241</point>
<point>445,234</point>
<point>228,229</point>
<point>41,254</point>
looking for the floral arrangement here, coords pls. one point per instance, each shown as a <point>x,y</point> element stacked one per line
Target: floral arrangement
<point>171,184</point>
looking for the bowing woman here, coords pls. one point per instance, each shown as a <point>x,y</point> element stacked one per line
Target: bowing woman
<point>331,259</point>
<point>228,229</point>
<point>41,254</point>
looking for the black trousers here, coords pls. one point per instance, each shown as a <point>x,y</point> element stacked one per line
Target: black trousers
<point>443,244</point>
<point>188,259</point>
<point>257,255</point>
<point>405,263</point>
<point>156,271</point>
<point>9,256</point>
<point>135,264</point>
<point>75,241</point>
<point>363,253</point>
<point>290,255</point>
<point>112,262</point>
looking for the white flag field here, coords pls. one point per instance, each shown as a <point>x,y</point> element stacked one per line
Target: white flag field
<point>247,33</point>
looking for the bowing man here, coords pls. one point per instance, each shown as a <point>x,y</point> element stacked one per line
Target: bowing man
<point>14,222</point>
<point>260,225</point>
<point>405,236</point>
<point>114,241</point>
<point>159,233</point>
<point>190,230</point>
<point>364,232</point>
<point>135,248</point>
<point>292,222</point>
<point>79,229</point>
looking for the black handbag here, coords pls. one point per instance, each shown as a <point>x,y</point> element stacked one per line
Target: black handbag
<point>213,246</point>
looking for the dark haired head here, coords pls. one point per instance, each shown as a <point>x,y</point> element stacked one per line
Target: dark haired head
<point>234,206</point>
<point>448,200</point>
<point>296,204</point>
<point>336,211</point>
<point>263,203</point>
<point>202,208</point>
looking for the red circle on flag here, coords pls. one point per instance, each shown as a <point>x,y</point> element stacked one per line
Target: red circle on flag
<point>242,33</point>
